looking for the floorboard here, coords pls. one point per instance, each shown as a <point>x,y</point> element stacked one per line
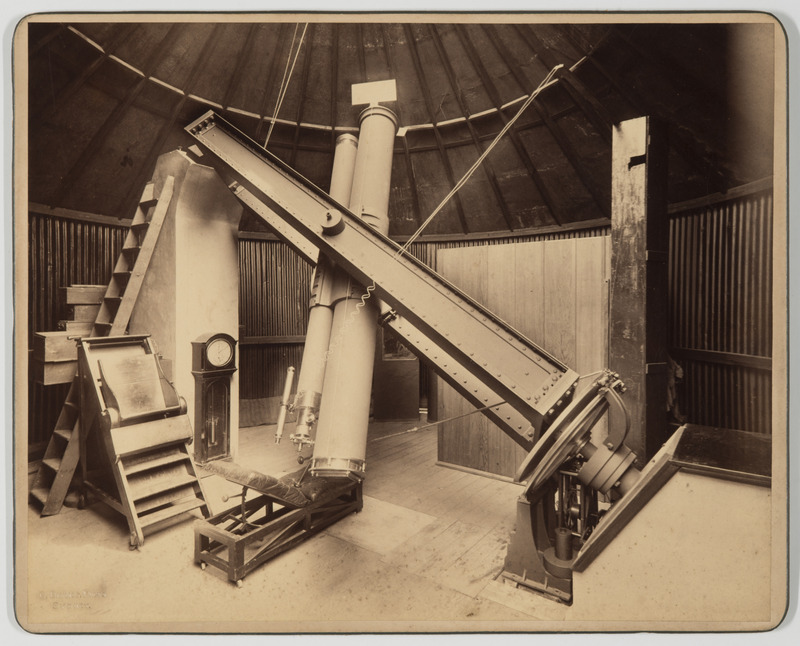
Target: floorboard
<point>427,546</point>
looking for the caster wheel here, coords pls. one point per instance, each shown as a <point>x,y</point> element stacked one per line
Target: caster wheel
<point>239,583</point>
<point>203,566</point>
<point>300,459</point>
<point>82,501</point>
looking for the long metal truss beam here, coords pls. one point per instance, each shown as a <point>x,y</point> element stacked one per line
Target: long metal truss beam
<point>484,358</point>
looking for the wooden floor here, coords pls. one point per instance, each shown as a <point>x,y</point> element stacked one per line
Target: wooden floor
<point>423,554</point>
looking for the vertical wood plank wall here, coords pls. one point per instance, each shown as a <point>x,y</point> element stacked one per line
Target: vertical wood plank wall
<point>720,301</point>
<point>274,294</point>
<point>554,292</point>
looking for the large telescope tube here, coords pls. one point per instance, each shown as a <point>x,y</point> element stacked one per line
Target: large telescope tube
<point>320,315</point>
<point>341,442</point>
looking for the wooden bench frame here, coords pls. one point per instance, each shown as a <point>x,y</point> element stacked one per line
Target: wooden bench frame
<point>260,529</point>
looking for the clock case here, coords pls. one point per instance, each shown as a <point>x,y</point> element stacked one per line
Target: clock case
<point>212,399</point>
<point>200,360</point>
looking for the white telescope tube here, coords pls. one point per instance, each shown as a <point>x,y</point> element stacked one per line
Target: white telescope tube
<point>341,441</point>
<point>320,317</point>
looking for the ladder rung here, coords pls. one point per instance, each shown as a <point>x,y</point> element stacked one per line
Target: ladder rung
<point>159,461</point>
<point>65,433</point>
<point>124,263</point>
<point>168,498</point>
<point>40,493</point>
<point>162,487</point>
<point>140,231</point>
<point>52,463</point>
<point>171,511</point>
<point>148,197</point>
<point>112,303</point>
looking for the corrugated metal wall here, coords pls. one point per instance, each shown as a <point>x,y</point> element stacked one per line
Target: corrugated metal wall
<point>721,309</point>
<point>720,297</point>
<point>274,290</point>
<point>272,325</point>
<point>720,300</point>
<point>62,250</point>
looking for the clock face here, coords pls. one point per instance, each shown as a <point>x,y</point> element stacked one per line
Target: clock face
<point>219,352</point>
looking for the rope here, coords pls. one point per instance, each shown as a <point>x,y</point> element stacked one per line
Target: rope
<point>415,429</point>
<point>286,78</point>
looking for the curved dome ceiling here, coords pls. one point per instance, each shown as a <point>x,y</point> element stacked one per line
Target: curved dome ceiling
<point>106,98</point>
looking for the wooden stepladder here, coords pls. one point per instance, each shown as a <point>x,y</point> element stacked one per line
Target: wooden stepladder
<point>135,435</point>
<point>52,481</point>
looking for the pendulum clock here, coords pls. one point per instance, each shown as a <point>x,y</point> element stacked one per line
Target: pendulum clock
<point>213,365</point>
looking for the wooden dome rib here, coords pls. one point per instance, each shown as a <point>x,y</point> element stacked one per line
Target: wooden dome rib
<point>268,100</point>
<point>128,202</point>
<point>93,146</point>
<point>406,153</point>
<point>437,135</point>
<point>46,110</point>
<point>487,166</point>
<point>334,72</point>
<point>683,143</point>
<point>555,211</point>
<point>461,84</point>
<point>245,55</point>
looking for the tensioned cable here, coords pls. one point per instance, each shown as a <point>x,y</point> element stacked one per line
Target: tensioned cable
<point>416,429</point>
<point>402,250</point>
<point>480,159</point>
<point>287,76</point>
<point>281,86</point>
